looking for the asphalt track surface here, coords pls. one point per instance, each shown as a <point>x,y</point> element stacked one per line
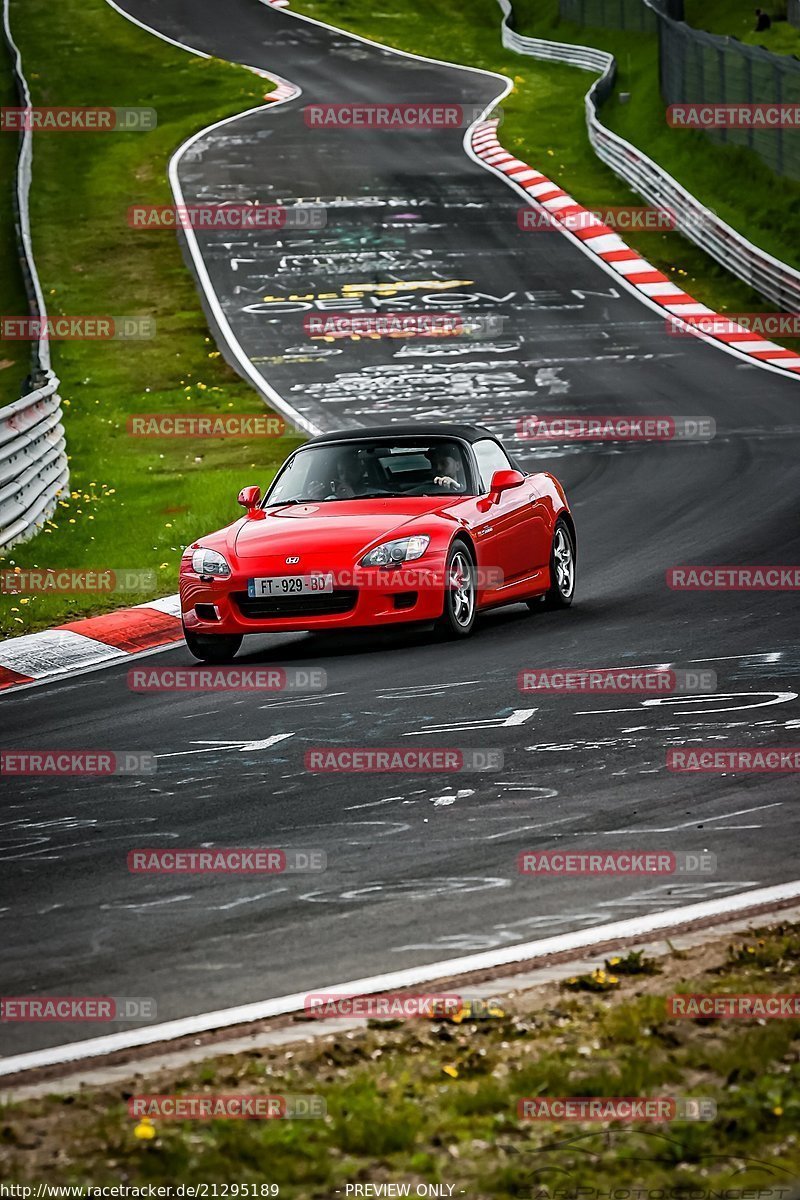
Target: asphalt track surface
<point>421,868</point>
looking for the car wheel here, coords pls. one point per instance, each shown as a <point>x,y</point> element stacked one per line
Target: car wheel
<point>458,616</point>
<point>212,647</point>
<point>562,569</point>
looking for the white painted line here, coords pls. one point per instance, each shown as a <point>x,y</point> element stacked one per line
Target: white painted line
<point>282,84</point>
<point>155,32</point>
<point>397,980</point>
<point>246,367</point>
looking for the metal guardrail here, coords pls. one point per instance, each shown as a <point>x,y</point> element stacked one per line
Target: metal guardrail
<point>775,280</point>
<point>33,457</point>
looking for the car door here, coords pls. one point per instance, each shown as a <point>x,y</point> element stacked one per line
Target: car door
<point>512,529</point>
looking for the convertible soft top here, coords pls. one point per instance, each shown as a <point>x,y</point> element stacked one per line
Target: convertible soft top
<point>416,429</point>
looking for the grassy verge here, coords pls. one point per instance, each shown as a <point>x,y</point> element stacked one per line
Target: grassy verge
<point>134,502</point>
<point>544,123</point>
<point>14,356</point>
<point>423,1102</point>
<point>737,17</point>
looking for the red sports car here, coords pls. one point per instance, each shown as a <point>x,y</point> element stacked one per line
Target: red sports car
<point>381,526</point>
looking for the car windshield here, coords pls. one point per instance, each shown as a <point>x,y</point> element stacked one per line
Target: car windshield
<point>359,470</point>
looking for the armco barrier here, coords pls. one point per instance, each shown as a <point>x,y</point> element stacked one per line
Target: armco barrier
<point>33,463</point>
<point>773,279</point>
<point>33,457</point>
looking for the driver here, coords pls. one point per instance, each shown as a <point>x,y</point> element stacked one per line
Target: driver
<point>447,469</point>
<point>348,475</point>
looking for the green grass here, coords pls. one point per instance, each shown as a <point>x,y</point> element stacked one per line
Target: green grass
<point>426,1101</point>
<point>133,502</point>
<point>15,360</point>
<point>737,18</point>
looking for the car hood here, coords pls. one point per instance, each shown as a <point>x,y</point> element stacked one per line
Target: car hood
<point>335,525</point>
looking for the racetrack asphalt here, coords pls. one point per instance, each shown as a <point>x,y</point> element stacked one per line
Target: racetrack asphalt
<point>421,868</point>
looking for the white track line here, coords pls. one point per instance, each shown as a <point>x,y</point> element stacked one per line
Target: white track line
<point>246,367</point>
<point>583,939</point>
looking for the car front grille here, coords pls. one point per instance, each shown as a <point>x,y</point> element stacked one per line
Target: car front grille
<point>326,604</point>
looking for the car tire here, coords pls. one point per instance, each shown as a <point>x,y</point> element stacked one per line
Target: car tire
<point>212,647</point>
<point>460,593</point>
<point>562,570</point>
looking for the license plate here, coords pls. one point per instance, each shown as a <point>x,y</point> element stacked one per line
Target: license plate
<point>289,585</point>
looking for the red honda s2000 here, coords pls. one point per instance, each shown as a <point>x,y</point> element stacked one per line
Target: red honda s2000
<point>378,527</point>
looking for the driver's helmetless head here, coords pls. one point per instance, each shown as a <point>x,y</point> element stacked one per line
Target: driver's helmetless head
<point>348,468</point>
<point>445,461</point>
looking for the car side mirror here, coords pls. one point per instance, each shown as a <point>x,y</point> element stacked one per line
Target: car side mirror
<point>249,498</point>
<point>503,481</point>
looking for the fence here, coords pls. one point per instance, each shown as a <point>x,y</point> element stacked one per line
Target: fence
<point>699,67</point>
<point>793,12</point>
<point>776,281</point>
<point>704,68</point>
<point>621,14</point>
<point>610,14</point>
<point>33,457</point>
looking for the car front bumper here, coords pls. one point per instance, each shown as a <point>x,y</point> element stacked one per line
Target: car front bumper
<point>362,598</point>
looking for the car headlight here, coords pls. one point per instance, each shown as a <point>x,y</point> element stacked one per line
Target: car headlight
<point>209,562</point>
<point>388,554</point>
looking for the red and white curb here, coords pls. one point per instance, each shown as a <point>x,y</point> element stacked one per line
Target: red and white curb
<point>283,90</point>
<point>599,239</point>
<point>67,649</point>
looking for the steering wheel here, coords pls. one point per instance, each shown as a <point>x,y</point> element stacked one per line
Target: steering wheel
<point>424,489</point>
